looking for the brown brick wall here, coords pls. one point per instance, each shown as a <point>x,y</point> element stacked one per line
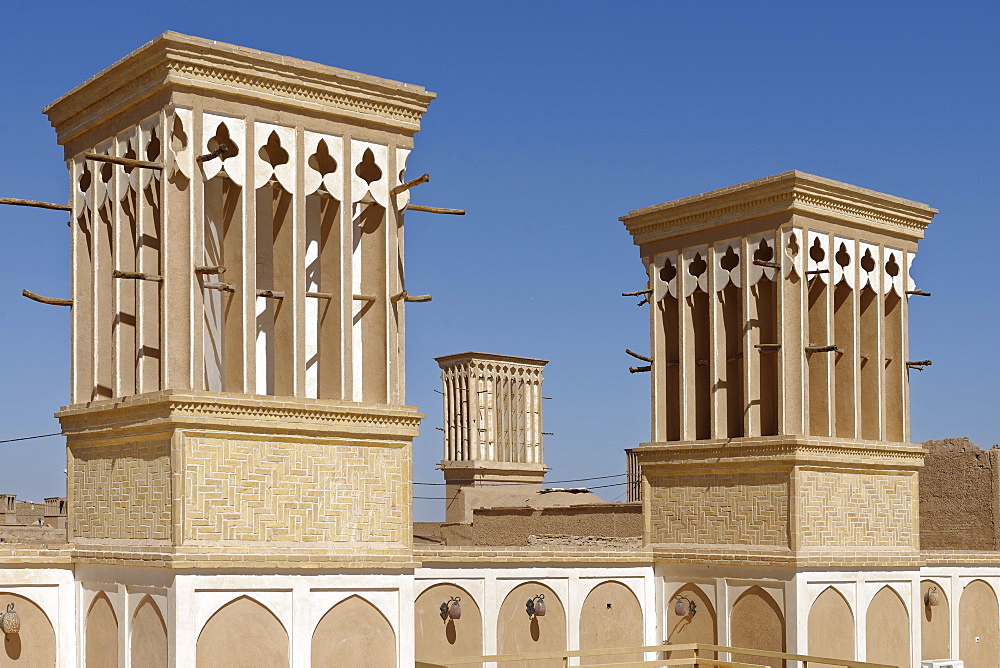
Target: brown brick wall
<point>958,487</point>
<point>512,526</point>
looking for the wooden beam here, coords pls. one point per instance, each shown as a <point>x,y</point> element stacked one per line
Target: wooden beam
<point>126,162</point>
<point>51,301</point>
<point>434,209</point>
<point>35,203</point>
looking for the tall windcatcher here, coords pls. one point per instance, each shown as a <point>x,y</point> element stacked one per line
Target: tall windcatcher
<point>238,304</point>
<point>780,397</point>
<point>492,430</point>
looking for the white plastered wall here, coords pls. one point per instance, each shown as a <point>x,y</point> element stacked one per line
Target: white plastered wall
<point>52,590</point>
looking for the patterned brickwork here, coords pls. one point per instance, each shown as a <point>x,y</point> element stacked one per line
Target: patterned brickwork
<point>276,491</point>
<point>841,509</point>
<point>121,490</point>
<point>735,508</point>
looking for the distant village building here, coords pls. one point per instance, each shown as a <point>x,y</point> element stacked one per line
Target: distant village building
<point>240,448</point>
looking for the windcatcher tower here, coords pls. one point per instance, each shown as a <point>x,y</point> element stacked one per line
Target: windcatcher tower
<point>780,405</point>
<point>492,431</point>
<point>238,303</point>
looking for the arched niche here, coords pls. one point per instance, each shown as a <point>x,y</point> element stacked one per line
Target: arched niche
<point>101,634</point>
<point>149,635</point>
<point>978,626</point>
<point>756,622</point>
<point>35,644</point>
<point>241,633</point>
<point>831,627</point>
<point>354,633</point>
<point>517,633</point>
<point>701,627</point>
<point>611,617</point>
<point>888,624</point>
<point>935,623</point>
<point>435,637</point>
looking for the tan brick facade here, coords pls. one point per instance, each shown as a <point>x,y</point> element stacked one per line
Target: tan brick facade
<point>715,509</point>
<point>840,509</point>
<point>285,491</point>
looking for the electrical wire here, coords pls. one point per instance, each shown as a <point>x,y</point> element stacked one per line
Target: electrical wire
<point>552,482</point>
<point>28,438</point>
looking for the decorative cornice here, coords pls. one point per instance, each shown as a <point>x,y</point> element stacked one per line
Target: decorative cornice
<point>784,451</point>
<point>196,410</point>
<point>457,359</point>
<point>175,61</point>
<point>790,191</point>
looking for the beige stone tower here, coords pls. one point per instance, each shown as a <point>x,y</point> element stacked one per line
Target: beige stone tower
<point>780,422</point>
<point>492,431</point>
<point>238,309</point>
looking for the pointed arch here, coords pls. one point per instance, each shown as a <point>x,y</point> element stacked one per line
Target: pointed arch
<point>611,616</point>
<point>701,627</point>
<point>978,625</point>
<point>935,622</point>
<point>101,633</point>
<point>831,626</point>
<point>887,616</point>
<point>149,635</point>
<point>354,633</point>
<point>242,632</point>
<point>35,645</point>
<point>517,633</point>
<point>436,637</point>
<point>756,622</point>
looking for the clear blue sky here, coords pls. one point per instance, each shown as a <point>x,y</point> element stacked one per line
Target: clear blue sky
<point>553,119</point>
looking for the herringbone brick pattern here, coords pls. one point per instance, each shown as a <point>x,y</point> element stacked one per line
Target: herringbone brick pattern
<point>719,508</point>
<point>121,490</point>
<point>275,491</point>
<point>841,509</point>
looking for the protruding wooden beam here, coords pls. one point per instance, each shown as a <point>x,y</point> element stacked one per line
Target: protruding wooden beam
<point>13,201</point>
<point>919,293</point>
<point>824,349</point>
<point>271,294</point>
<point>223,148</point>
<point>765,263</point>
<point>919,366</point>
<point>640,369</point>
<point>210,269</point>
<point>51,301</point>
<point>403,187</point>
<point>126,162</point>
<point>365,298</point>
<point>320,295</point>
<point>767,347</point>
<point>137,276</point>
<point>221,287</point>
<point>647,291</point>
<point>434,209</point>
<point>638,356</point>
<point>407,297</point>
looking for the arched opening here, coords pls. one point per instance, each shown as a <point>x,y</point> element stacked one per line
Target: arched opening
<point>243,632</point>
<point>435,637</point>
<point>935,626</point>
<point>519,633</point>
<point>831,627</point>
<point>611,617</point>
<point>35,643</point>
<point>756,622</point>
<point>101,634</point>
<point>701,627</point>
<point>888,624</point>
<point>149,635</point>
<point>979,626</point>
<point>354,633</point>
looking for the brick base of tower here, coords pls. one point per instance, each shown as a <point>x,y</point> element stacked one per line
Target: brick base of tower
<point>794,501</point>
<point>199,477</point>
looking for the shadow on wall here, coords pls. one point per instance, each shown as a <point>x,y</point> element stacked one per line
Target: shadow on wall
<point>700,627</point>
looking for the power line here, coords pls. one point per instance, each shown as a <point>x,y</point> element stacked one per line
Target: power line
<point>28,438</point>
<point>447,498</point>
<point>551,482</point>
